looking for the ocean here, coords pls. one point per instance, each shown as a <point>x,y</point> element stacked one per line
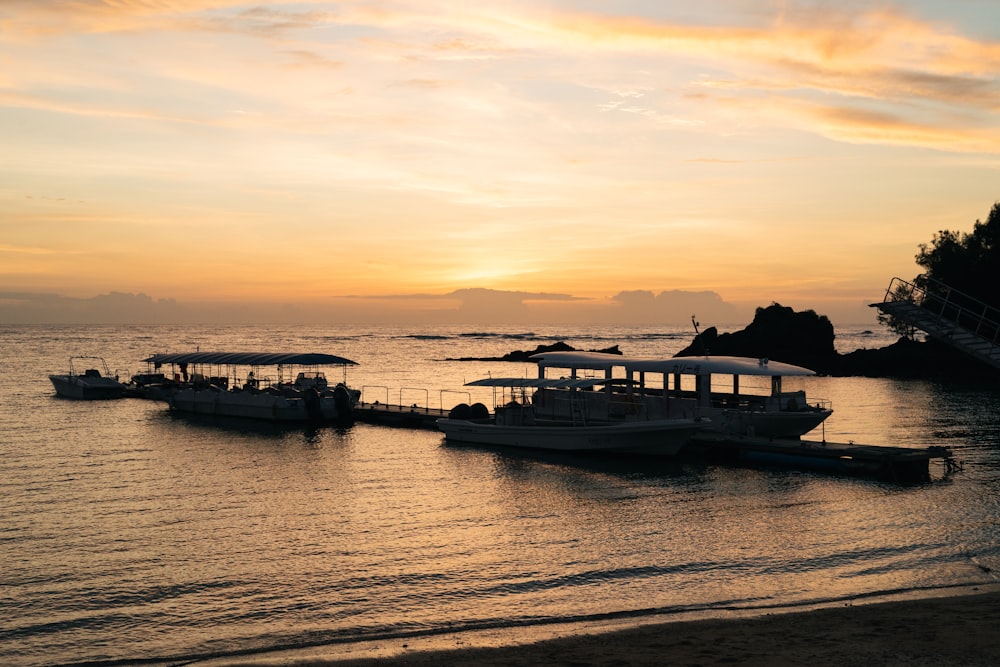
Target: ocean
<point>128,533</point>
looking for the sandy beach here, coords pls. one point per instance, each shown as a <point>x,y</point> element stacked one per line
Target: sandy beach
<point>955,630</point>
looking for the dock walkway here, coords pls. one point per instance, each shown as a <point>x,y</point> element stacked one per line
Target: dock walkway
<point>894,464</point>
<point>904,465</point>
<point>405,416</point>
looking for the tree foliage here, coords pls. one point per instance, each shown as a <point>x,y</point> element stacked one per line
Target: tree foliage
<point>899,327</point>
<point>967,262</point>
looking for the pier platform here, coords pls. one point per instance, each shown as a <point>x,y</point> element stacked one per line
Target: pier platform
<point>901,465</point>
<point>904,465</point>
<point>404,416</point>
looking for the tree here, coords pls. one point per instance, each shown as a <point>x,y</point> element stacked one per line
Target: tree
<point>967,262</point>
<point>901,328</point>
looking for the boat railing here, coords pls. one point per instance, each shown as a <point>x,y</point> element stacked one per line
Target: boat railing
<point>821,403</point>
<point>103,369</point>
<point>948,303</point>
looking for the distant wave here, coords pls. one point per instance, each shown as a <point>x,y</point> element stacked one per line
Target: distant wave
<point>568,335</point>
<point>475,334</point>
<point>490,334</point>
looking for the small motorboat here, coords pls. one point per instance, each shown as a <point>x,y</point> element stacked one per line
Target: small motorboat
<point>89,385</point>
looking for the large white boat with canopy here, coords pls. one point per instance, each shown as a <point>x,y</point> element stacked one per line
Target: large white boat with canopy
<point>272,386</point>
<point>601,415</point>
<point>717,388</point>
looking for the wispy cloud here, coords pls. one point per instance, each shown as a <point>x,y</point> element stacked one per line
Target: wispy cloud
<point>17,250</point>
<point>866,126</point>
<point>943,88</point>
<point>511,142</point>
<point>931,75</point>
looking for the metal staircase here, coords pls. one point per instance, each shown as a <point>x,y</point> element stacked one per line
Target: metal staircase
<point>947,315</point>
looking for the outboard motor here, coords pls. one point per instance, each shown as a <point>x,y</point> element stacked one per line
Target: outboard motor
<point>313,403</point>
<point>345,408</point>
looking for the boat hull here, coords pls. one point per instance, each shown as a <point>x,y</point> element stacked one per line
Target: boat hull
<point>766,424</point>
<point>264,405</point>
<point>87,389</point>
<point>651,438</point>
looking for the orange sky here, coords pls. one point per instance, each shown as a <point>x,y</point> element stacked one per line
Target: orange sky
<point>304,152</point>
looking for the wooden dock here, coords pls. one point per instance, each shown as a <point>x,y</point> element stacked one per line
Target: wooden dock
<point>402,416</point>
<point>904,465</point>
<point>901,465</point>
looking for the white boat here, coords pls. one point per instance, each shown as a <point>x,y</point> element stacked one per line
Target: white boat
<point>89,385</point>
<point>576,415</point>
<point>735,409</point>
<point>235,384</point>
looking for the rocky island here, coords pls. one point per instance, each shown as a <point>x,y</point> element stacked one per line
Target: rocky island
<point>805,338</point>
<point>525,355</point>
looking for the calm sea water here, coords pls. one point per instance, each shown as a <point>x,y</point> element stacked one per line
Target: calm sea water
<point>128,533</point>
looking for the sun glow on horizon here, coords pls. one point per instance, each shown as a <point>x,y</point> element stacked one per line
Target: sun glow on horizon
<point>212,150</point>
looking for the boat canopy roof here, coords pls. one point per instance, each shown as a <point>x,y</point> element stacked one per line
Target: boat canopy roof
<point>670,365</point>
<point>542,383</point>
<point>720,366</point>
<point>251,359</point>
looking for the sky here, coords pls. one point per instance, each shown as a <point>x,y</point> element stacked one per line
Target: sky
<point>557,160</point>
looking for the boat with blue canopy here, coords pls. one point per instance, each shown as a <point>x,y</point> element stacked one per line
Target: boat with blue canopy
<point>272,386</point>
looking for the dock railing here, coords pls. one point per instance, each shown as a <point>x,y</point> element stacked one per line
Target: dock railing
<point>411,390</point>
<point>365,392</point>
<point>420,406</point>
<point>468,397</point>
<point>949,304</point>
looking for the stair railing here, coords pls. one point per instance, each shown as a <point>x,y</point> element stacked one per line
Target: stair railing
<point>949,304</point>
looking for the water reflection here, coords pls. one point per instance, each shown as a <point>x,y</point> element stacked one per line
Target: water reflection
<point>140,532</point>
<point>222,428</point>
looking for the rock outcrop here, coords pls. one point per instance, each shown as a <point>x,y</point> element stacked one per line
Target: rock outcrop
<point>806,339</point>
<point>777,332</point>
<point>525,355</point>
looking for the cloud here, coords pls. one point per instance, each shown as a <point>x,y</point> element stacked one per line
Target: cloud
<point>930,75</point>
<point>860,125</point>
<point>462,306</point>
<point>675,306</point>
<point>25,250</point>
<point>943,88</point>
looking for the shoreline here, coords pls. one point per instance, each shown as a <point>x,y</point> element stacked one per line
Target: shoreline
<point>939,627</point>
